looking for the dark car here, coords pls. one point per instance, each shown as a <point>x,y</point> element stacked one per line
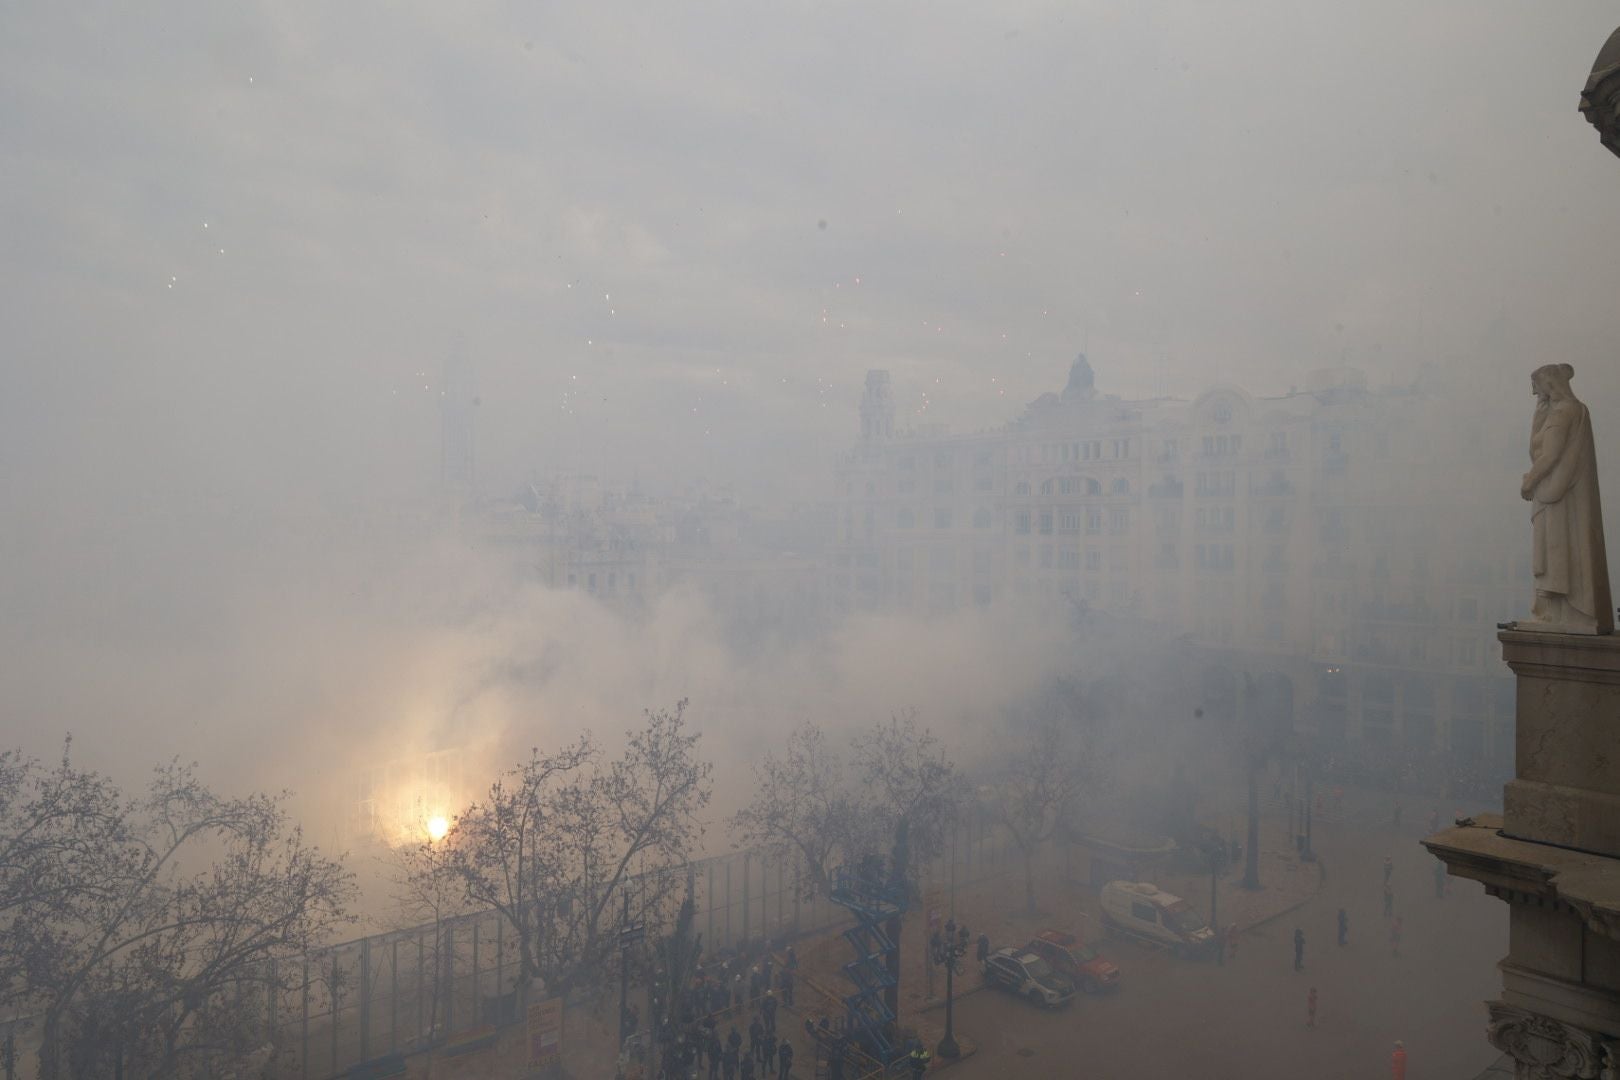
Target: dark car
<point>1021,972</point>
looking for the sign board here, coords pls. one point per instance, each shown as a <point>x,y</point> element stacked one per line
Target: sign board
<point>632,935</point>
<point>545,1032</point>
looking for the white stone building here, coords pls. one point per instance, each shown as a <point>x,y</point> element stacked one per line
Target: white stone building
<point>1330,540</point>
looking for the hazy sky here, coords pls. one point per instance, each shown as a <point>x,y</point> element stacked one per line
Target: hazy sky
<point>240,240</point>
<point>675,235</point>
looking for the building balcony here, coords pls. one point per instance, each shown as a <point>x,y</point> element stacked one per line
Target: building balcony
<point>1271,488</point>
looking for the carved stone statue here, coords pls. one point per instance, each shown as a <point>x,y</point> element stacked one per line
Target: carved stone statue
<point>1570,566</point>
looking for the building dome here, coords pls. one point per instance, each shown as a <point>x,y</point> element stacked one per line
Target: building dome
<point>1082,381</point>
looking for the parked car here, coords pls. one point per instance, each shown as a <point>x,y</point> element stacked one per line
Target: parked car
<point>1023,973</point>
<point>1082,964</point>
<point>1142,910</point>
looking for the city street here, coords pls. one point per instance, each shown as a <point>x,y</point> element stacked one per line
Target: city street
<point>1247,1019</point>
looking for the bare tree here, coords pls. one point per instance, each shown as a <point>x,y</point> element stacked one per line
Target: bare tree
<point>1039,792</point>
<point>428,892</point>
<point>803,807</point>
<point>506,851</point>
<point>640,813</point>
<point>910,778</point>
<point>60,830</point>
<point>168,968</point>
<point>555,844</point>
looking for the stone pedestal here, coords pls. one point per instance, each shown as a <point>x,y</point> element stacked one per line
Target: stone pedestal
<point>1554,858</point>
<point>1566,790</point>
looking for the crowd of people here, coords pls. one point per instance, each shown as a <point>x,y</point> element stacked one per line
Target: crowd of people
<point>728,1024</point>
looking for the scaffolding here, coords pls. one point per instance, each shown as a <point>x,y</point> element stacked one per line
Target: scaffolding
<point>875,900</point>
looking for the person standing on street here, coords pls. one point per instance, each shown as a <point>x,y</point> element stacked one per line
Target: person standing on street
<point>1397,1062</point>
<point>1299,949</point>
<point>756,1037</point>
<point>785,979</point>
<point>768,1058</point>
<point>1389,901</point>
<point>982,952</point>
<point>1310,1008</point>
<point>1344,927</point>
<point>768,1009</point>
<point>1395,937</point>
<point>784,1058</point>
<point>1389,869</point>
<point>919,1061</point>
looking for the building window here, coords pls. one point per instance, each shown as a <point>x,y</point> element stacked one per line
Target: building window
<point>1069,521</point>
<point>1093,522</point>
<point>1071,558</point>
<point>1093,559</point>
<point>1122,486</point>
<point>1046,556</point>
<point>905,518</point>
<point>1046,523</point>
<point>984,483</point>
<point>1118,521</point>
<point>1021,523</point>
<point>942,517</point>
<point>981,518</point>
<point>1021,488</point>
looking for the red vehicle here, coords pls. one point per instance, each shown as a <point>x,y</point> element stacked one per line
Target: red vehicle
<point>1068,955</point>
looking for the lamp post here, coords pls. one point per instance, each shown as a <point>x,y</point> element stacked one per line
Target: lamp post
<point>1216,850</point>
<point>949,950</point>
<point>1306,854</point>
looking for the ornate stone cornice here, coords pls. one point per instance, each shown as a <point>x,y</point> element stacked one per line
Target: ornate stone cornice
<point>1546,1049</point>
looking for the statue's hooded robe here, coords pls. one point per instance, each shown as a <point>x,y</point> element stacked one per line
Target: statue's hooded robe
<point>1569,554</point>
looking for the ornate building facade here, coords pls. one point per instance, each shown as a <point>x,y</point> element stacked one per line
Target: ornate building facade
<point>1329,537</point>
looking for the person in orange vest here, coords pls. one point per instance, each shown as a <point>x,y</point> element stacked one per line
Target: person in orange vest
<point>1397,1061</point>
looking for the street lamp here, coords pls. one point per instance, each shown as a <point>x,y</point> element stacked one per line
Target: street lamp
<point>1215,848</point>
<point>949,950</point>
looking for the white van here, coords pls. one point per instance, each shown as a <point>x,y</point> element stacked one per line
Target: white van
<point>1140,909</point>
